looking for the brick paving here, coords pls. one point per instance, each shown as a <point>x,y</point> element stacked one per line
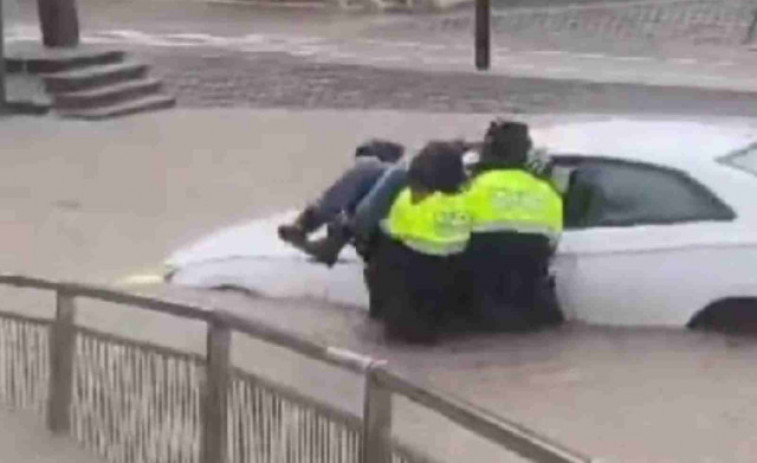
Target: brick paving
<point>712,22</point>
<point>214,77</point>
<point>268,80</point>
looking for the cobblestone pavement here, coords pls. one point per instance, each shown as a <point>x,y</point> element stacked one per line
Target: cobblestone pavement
<point>593,43</point>
<point>209,58</point>
<point>722,22</point>
<point>440,52</point>
<point>279,80</point>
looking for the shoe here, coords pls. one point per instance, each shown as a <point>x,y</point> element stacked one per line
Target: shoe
<point>296,233</point>
<point>292,234</point>
<point>326,250</point>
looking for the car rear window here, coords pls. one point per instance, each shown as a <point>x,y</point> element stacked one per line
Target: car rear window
<point>745,160</point>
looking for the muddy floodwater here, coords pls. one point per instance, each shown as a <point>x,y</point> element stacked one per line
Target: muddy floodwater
<point>625,395</point>
<point>631,395</point>
<point>98,203</point>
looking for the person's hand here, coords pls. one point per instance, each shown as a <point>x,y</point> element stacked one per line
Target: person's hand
<point>539,162</point>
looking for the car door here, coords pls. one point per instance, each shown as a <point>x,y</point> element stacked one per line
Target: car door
<point>632,252</point>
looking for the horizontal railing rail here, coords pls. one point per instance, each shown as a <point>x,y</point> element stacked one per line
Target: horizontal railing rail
<point>331,434</point>
<point>510,435</point>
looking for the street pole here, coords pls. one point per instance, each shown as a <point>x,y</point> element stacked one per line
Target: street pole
<point>2,60</point>
<point>483,39</point>
<point>59,22</point>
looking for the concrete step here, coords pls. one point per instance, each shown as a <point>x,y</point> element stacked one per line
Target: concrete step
<point>94,76</point>
<point>51,61</point>
<point>28,107</point>
<point>25,94</point>
<point>146,103</point>
<point>107,95</point>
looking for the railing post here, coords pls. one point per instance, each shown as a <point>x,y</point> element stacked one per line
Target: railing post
<point>377,419</point>
<point>215,394</point>
<point>62,344</point>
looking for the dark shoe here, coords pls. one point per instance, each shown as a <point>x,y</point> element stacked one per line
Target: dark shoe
<point>297,232</point>
<point>326,250</point>
<point>292,234</point>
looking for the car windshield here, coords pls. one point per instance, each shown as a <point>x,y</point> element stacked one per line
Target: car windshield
<point>745,160</point>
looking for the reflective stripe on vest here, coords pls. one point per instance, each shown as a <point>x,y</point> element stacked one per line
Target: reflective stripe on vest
<point>515,226</point>
<point>438,225</point>
<point>514,200</point>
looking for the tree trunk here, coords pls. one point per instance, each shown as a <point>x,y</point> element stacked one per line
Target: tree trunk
<point>59,22</point>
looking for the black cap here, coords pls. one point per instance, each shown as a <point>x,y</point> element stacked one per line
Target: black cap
<point>506,142</point>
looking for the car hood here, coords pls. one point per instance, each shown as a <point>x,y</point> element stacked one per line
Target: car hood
<point>251,257</point>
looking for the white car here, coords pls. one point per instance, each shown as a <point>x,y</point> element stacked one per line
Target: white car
<point>661,229</point>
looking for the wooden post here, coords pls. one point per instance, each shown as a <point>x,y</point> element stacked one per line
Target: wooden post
<point>62,344</point>
<point>483,39</point>
<point>377,420</point>
<point>215,403</point>
<point>59,22</point>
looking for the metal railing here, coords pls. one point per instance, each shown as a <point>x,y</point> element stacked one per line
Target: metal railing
<point>132,401</point>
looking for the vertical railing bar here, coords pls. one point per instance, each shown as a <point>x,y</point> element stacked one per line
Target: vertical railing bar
<point>12,386</point>
<point>24,375</point>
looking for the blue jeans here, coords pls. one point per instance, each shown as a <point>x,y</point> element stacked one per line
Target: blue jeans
<point>375,206</point>
<point>344,195</point>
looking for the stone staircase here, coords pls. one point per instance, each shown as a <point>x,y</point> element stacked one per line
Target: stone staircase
<point>89,84</point>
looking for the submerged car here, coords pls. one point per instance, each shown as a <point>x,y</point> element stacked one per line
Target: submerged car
<point>660,229</point>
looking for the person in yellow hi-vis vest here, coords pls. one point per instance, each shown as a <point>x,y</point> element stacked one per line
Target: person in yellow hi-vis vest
<point>516,220</point>
<point>415,267</point>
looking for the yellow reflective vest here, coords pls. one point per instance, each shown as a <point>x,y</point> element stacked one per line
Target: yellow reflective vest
<point>438,225</point>
<point>514,200</point>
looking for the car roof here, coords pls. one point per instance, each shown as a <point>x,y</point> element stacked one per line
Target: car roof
<point>689,146</point>
<point>674,143</point>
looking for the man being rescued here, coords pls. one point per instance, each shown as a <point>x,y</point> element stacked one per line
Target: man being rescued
<point>462,248</point>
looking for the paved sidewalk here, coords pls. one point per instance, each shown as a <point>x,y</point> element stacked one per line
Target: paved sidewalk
<point>607,43</point>
<point>24,439</point>
<point>269,74</point>
<point>708,68</point>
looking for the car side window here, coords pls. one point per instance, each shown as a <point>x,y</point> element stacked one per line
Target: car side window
<point>616,194</point>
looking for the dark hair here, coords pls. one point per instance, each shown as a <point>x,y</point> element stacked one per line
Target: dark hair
<point>506,143</point>
<point>384,150</point>
<point>438,167</point>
